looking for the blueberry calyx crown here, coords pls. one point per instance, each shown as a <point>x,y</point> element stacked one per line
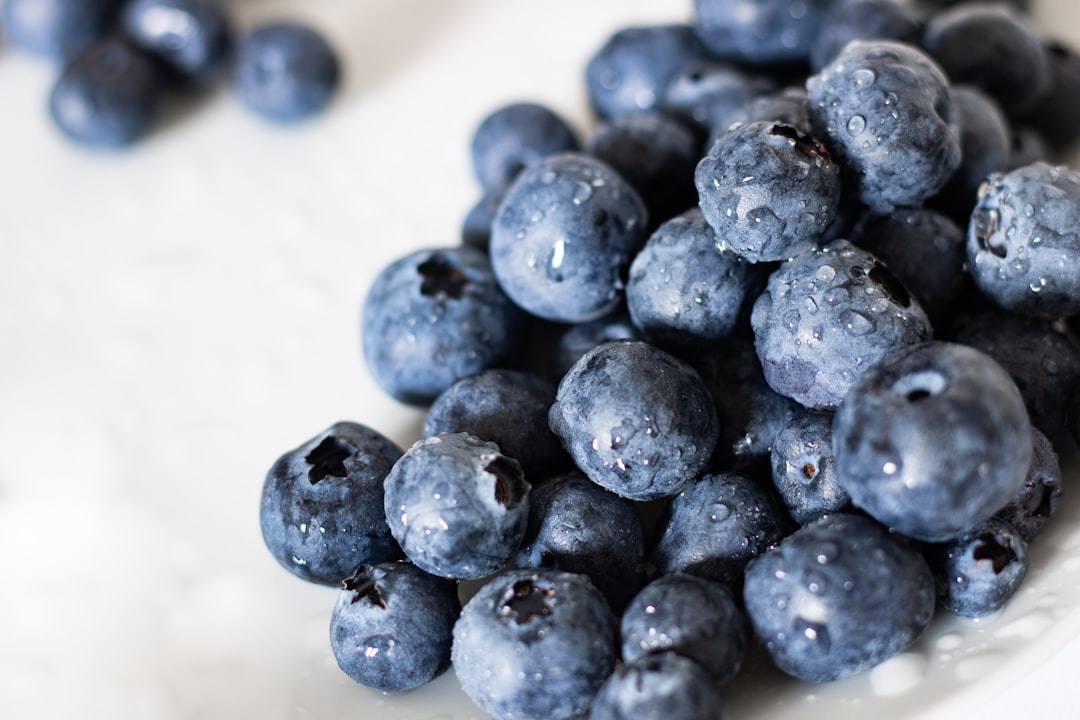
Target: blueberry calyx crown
<point>999,555</point>
<point>364,585</point>
<point>985,224</point>
<point>524,601</point>
<point>502,468</point>
<point>883,278</point>
<point>805,144</point>
<point>328,459</point>
<point>442,278</point>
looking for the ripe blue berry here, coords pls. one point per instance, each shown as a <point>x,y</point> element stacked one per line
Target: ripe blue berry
<point>512,137</point>
<point>978,571</point>
<point>192,37</point>
<point>665,685</point>
<point>55,28</point>
<point>392,625</point>
<point>285,71</point>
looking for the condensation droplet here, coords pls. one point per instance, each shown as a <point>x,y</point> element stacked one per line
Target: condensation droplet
<point>856,124</point>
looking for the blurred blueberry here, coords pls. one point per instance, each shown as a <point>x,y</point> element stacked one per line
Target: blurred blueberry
<point>285,71</point>
<point>55,28</point>
<point>514,136</point>
<point>665,685</point>
<point>191,37</point>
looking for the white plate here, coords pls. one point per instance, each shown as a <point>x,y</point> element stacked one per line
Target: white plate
<point>175,317</point>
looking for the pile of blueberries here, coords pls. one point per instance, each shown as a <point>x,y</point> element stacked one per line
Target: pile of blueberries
<point>780,355</point>
<point>120,59</point>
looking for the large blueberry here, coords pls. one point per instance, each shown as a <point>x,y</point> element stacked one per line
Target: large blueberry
<point>838,596</point>
<point>285,71</point>
<point>193,37</point>
<point>107,94</point>
<point>716,526</point>
<point>932,440</point>
<point>690,616</point>
<point>768,190</point>
<point>635,419</point>
<point>321,512</point>
<point>825,317</point>
<point>1023,242</point>
<point>682,292</point>
<point>433,317</point>
<point>392,626</point>
<point>564,236</point>
<point>884,110</point>
<point>535,644</point>
<point>577,526</point>
<point>457,506</point>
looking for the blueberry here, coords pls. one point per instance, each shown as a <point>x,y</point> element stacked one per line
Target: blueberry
<point>578,339</point>
<point>932,440</point>
<point>665,686</point>
<point>107,95</point>
<point>433,317</point>
<point>1040,496</point>
<point>993,47</point>
<point>1056,112</point>
<point>192,37</point>
<point>847,20</point>
<point>705,94</point>
<point>321,512</point>
<point>803,468</point>
<point>630,72</point>
<point>884,110</point>
<point>564,235</point>
<point>762,32</point>
<point>825,317</point>
<point>476,227</point>
<point>768,190</point>
<point>512,137</point>
<point>285,71</point>
<point>392,626</point>
<point>635,419</point>
<point>508,408</point>
<point>716,526</point>
<point>786,106</point>
<point>978,571</point>
<point>577,526</point>
<point>656,155</point>
<point>1023,241</point>
<point>682,292</point>
<point>689,616</point>
<point>924,248</point>
<point>837,597</point>
<point>55,28</point>
<point>535,644</point>
<point>457,506</point>
<point>1043,361</point>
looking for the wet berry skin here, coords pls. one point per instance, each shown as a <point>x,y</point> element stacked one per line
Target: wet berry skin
<point>433,317</point>
<point>457,506</point>
<point>392,626</point>
<point>864,105</point>
<point>716,526</point>
<point>285,71</point>
<point>564,236</point>
<point>55,28</point>
<point>514,136</point>
<point>635,419</point>
<point>978,571</point>
<point>838,596</point>
<point>321,512</point>
<point>768,190</point>
<point>192,37</point>
<point>535,643</point>
<point>107,95</point>
<point>689,616</point>
<point>932,440</point>
<point>665,685</point>
<point>827,315</point>
<point>1023,241</point>
<point>577,526</point>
